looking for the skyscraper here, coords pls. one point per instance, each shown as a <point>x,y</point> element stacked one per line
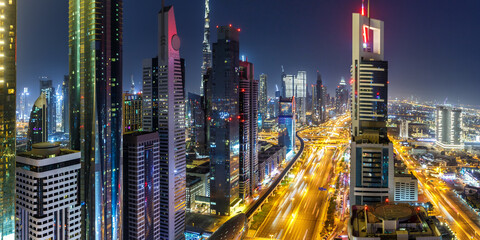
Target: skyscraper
<point>224,145</point>
<point>286,121</point>
<point>38,125</point>
<point>8,88</point>
<point>320,108</point>
<point>47,87</point>
<point>66,105</point>
<point>24,104</point>
<point>59,111</point>
<point>95,59</point>
<point>288,85</point>
<point>141,208</point>
<point>47,193</point>
<point>171,128</point>
<point>248,118</point>
<point>300,93</point>
<point>448,128</point>
<point>341,97</point>
<point>372,160</point>
<point>403,133</point>
<point>206,50</point>
<point>263,97</point>
<point>150,94</point>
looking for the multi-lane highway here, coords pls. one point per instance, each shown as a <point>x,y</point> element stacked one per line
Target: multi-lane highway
<point>302,208</point>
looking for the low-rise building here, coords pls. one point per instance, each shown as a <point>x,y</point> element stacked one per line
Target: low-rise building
<point>269,157</point>
<point>195,187</point>
<point>391,221</point>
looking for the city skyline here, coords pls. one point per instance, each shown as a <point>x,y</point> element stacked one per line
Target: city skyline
<point>347,148</point>
<point>421,28</point>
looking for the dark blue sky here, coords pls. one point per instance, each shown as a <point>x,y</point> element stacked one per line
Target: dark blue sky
<point>433,46</point>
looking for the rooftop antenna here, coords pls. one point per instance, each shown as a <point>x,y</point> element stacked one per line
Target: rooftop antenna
<point>368,9</point>
<point>163,38</point>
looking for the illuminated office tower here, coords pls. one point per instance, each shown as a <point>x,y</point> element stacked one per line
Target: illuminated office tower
<point>150,94</point>
<point>206,50</point>
<point>448,127</point>
<point>47,204</point>
<point>24,104</point>
<point>38,125</point>
<point>8,82</point>
<point>171,129</point>
<point>288,88</point>
<point>300,93</point>
<point>372,161</point>
<point>59,111</point>
<point>222,106</point>
<point>132,112</point>
<point>286,122</point>
<point>248,131</point>
<point>276,100</point>
<point>46,87</point>
<point>95,59</point>
<point>66,105</point>
<point>141,208</point>
<point>263,97</point>
<point>341,97</point>
<point>320,100</point>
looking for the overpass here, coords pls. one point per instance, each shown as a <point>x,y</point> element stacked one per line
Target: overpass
<point>258,204</point>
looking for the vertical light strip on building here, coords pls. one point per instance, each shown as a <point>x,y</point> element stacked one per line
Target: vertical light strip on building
<point>8,81</point>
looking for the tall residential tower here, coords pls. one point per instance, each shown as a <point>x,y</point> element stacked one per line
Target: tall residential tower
<point>95,58</point>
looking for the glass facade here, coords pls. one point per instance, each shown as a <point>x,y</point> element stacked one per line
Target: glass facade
<point>222,121</point>
<point>95,81</point>
<point>37,127</point>
<point>8,81</point>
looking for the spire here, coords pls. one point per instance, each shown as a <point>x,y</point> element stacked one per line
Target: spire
<point>363,8</point>
<point>207,52</point>
<point>163,37</point>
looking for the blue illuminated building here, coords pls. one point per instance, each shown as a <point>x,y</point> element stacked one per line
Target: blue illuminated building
<point>286,121</point>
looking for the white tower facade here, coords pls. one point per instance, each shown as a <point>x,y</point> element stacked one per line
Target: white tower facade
<point>171,129</point>
<point>47,202</point>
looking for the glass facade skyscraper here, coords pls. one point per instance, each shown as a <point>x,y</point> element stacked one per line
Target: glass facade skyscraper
<point>8,88</point>
<point>46,86</point>
<point>95,81</point>
<point>37,126</point>
<point>222,97</point>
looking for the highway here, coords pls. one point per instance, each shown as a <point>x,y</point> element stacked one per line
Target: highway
<point>461,219</point>
<point>301,210</point>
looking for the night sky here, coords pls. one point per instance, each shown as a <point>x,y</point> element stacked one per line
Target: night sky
<point>433,46</point>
